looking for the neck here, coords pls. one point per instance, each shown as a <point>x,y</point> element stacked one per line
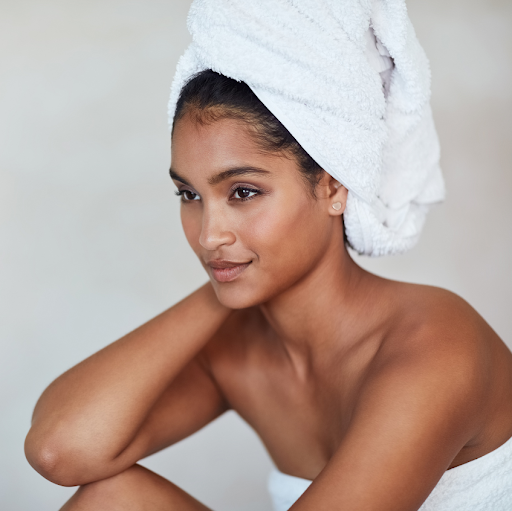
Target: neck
<point>326,307</point>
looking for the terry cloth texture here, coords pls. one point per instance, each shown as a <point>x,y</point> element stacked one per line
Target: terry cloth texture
<point>315,65</point>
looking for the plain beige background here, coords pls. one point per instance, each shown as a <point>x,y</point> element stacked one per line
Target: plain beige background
<point>90,238</point>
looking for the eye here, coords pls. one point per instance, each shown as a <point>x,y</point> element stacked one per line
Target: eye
<point>187,195</point>
<point>244,193</point>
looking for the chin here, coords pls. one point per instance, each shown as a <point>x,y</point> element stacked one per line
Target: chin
<point>242,294</point>
<point>235,295</point>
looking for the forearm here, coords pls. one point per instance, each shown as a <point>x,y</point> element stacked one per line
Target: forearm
<point>94,410</point>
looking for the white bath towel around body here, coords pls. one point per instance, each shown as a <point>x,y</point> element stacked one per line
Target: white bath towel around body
<point>483,484</point>
<point>308,62</point>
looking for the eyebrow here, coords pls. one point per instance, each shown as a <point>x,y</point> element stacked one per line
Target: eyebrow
<point>174,175</point>
<point>222,176</point>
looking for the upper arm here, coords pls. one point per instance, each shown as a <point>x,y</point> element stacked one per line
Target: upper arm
<point>412,418</point>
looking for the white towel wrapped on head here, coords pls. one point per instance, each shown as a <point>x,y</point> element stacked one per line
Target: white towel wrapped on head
<point>368,124</point>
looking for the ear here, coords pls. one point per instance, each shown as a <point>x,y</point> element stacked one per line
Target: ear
<point>337,198</point>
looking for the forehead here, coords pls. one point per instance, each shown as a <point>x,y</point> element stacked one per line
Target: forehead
<point>208,148</point>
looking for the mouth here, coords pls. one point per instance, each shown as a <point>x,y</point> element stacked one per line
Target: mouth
<point>227,271</point>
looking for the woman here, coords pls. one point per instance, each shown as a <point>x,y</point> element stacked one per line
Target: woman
<point>388,396</point>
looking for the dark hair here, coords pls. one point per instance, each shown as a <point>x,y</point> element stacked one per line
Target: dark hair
<point>210,96</point>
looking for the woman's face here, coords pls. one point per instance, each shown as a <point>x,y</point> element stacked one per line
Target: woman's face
<point>248,215</point>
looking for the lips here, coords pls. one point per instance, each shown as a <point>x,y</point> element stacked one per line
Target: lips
<point>227,271</point>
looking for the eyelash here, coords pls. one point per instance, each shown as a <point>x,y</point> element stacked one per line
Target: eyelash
<point>233,191</point>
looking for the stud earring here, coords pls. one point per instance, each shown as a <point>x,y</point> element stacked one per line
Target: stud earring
<point>336,206</point>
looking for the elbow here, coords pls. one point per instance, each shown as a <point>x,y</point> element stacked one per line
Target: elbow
<point>46,461</point>
<point>55,462</point>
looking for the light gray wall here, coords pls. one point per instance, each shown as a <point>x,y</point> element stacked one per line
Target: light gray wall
<point>90,239</point>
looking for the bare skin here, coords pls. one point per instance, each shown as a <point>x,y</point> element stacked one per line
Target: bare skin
<point>371,388</point>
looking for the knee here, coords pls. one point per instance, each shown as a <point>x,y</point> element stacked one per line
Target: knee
<point>112,493</point>
<point>135,489</point>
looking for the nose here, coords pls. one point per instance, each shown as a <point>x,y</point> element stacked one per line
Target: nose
<point>215,230</point>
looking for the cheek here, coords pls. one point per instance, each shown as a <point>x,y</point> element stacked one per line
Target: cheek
<point>287,236</point>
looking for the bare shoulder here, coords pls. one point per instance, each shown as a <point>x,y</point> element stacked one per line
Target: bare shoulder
<point>430,319</point>
<point>436,343</point>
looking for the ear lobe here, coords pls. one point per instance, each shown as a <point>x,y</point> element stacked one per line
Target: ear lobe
<point>338,200</point>
<point>337,209</point>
